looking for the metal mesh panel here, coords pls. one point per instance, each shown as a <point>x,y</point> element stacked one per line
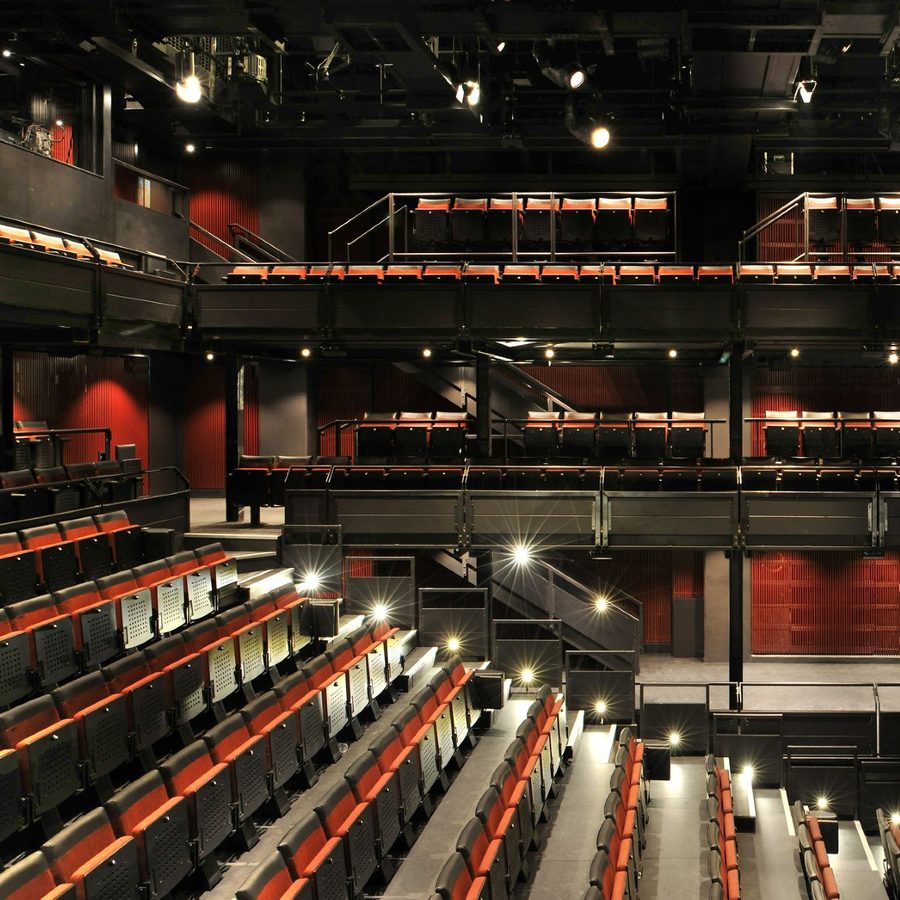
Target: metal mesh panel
<point>106,732</point>
<point>129,548</point>
<point>167,850</point>
<point>222,670</point>
<point>14,663</point>
<point>17,578</point>
<point>115,877</point>
<point>362,848</point>
<point>359,688</point>
<point>336,703</point>
<point>213,814</point>
<point>226,574</point>
<point>460,718</point>
<point>11,811</point>
<point>98,630</point>
<point>151,721</point>
<point>137,618</point>
<point>59,566</point>
<point>311,726</point>
<point>444,725</point>
<point>252,653</point>
<point>330,881</point>
<point>283,743</point>
<point>199,594</point>
<point>250,776</point>
<point>278,647</point>
<point>428,758</point>
<point>96,557</point>
<point>55,649</point>
<point>187,682</point>
<point>170,606</point>
<point>54,769</point>
<point>377,669</point>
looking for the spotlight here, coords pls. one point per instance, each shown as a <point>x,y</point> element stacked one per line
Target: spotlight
<point>748,773</point>
<point>501,46</point>
<point>599,137</point>
<point>551,61</point>
<point>526,676</point>
<point>7,53</point>
<point>805,90</point>
<point>189,148</point>
<point>893,358</point>
<point>59,123</point>
<point>210,356</point>
<point>673,353</point>
<point>379,612</point>
<point>846,47</point>
<point>460,93</point>
<point>549,353</point>
<point>674,739</point>
<point>521,555</point>
<point>305,352</point>
<point>600,707</point>
<point>189,90</point>
<point>473,93</point>
<point>601,604</point>
<point>895,819</point>
<point>453,645</point>
<point>822,802</point>
<point>576,77</point>
<point>311,581</point>
<point>426,352</point>
<point>795,352</point>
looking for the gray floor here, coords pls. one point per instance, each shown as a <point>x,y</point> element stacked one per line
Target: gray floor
<point>209,512</point>
<point>416,877</point>
<point>561,868</point>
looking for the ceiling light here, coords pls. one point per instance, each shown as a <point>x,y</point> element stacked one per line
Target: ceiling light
<point>846,47</point>
<point>311,581</point>
<point>521,555</point>
<point>501,46</point>
<point>189,90</point>
<point>210,356</point>
<point>599,137</point>
<point>892,358</point>
<point>426,352</point>
<point>472,92</point>
<point>748,773</point>
<point>795,352</point>
<point>673,353</point>
<point>460,93</point>
<point>453,645</point>
<point>526,676</point>
<point>822,802</point>
<point>379,612</point>
<point>189,148</point>
<point>59,123</point>
<point>576,78</point>
<point>895,819</point>
<point>600,707</point>
<point>549,353</point>
<point>674,739</point>
<point>306,353</point>
<point>7,53</point>
<point>601,604</point>
<point>805,90</point>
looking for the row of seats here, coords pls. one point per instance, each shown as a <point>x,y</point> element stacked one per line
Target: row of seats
<point>32,493</point>
<point>620,841</point>
<point>59,245</point>
<point>820,881</point>
<point>50,639</point>
<point>437,435</point>
<point>338,847</point>
<point>721,835</point>
<point>164,824</point>
<point>582,222</point>
<point>889,832</point>
<point>829,435</point>
<point>533,273</point>
<point>52,557</point>
<point>492,847</point>
<point>866,222</point>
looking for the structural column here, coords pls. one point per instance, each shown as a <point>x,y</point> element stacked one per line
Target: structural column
<point>736,560</point>
<point>483,403</point>
<point>234,427</point>
<point>7,439</point>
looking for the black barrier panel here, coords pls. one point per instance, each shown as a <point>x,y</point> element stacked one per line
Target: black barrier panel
<point>854,730</point>
<point>256,309</point>
<point>385,310</point>
<point>632,519</point>
<point>805,310</point>
<point>684,727</point>
<point>889,519</point>
<point>40,283</point>
<point>315,554</point>
<point>307,507</point>
<point>398,518</point>
<point>808,520</point>
<point>536,311</point>
<point>383,587</point>
<point>543,520</point>
<point>135,297</point>
<point>456,621</point>
<point>751,739</point>
<point>830,779</point>
<point>653,311</point>
<point>879,787</point>
<point>529,651</point>
<point>599,683</point>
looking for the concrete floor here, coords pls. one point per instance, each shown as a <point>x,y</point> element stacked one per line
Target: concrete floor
<point>209,512</point>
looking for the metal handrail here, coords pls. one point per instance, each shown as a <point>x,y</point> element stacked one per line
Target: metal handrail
<point>353,218</point>
<point>146,174</point>
<point>206,233</point>
<point>613,607</point>
<point>258,243</point>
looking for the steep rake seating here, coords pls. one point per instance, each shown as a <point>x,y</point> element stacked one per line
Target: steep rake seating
<point>817,872</point>
<point>491,851</point>
<point>723,860</point>
<point>357,827</point>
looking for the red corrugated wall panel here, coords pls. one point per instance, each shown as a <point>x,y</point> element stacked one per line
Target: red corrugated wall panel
<point>204,424</point>
<point>251,409</point>
<point>824,389</point>
<point>86,392</point>
<point>623,388</point>
<point>223,190</point>
<point>816,602</point>
<point>62,149</point>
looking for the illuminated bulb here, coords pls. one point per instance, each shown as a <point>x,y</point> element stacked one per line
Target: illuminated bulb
<point>379,612</point>
<point>521,555</point>
<point>59,123</point>
<point>601,604</point>
<point>527,676</point>
<point>460,93</point>
<point>549,353</point>
<point>7,53</point>
<point>474,93</point>
<point>895,819</point>
<point>600,707</point>
<point>306,352</point>
<point>426,352</point>
<point>599,137</point>
<point>453,645</point>
<point>892,359</point>
<point>748,773</point>
<point>501,46</point>
<point>795,352</point>
<point>311,581</point>
<point>673,353</point>
<point>822,803</point>
<point>189,148</point>
<point>674,739</point>
<point>189,89</point>
<point>210,356</point>
<point>577,79</point>
<point>805,89</point>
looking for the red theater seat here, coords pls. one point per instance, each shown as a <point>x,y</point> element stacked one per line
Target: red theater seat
<point>577,221</point>
<point>614,220</point>
<point>755,272</point>
<point>442,273</point>
<point>403,273</point>
<point>559,274</point>
<point>715,275</point>
<point>794,274</point>
<point>287,275</point>
<point>486,274</point>
<point>530,274</point>
<point>651,219</point>
<point>467,220</point>
<point>248,275</point>
<point>32,879</point>
<point>637,274</point>
<point>676,274</point>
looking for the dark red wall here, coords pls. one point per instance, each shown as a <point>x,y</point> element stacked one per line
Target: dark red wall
<point>86,392</point>
<point>204,424</point>
<point>815,602</point>
<point>223,190</point>
<point>825,389</point>
<point>624,388</point>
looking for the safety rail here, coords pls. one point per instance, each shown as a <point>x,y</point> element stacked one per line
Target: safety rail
<point>241,234</point>
<point>60,436</point>
<point>238,255</point>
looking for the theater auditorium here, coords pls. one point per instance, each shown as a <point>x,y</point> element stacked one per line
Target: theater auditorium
<point>450,450</point>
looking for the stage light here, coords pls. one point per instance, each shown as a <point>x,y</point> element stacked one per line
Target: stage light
<point>893,358</point>
<point>501,46</point>
<point>453,645</point>
<point>599,137</point>
<point>521,555</point>
<point>549,353</point>
<point>379,612</point>
<point>311,582</point>
<point>189,90</point>
<point>674,739</point>
<point>673,353</point>
<point>426,352</point>
<point>306,353</point>
<point>576,77</point>
<point>748,773</point>
<point>795,352</point>
<point>473,93</point>
<point>601,604</point>
<point>822,802</point>
<point>189,148</point>
<point>895,819</point>
<point>460,93</point>
<point>526,676</point>
<point>600,707</point>
<point>805,90</point>
<point>7,53</point>
<point>210,356</point>
<point>59,123</point>
<point>846,47</point>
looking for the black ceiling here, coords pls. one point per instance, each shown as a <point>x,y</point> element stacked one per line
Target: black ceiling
<point>664,75</point>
